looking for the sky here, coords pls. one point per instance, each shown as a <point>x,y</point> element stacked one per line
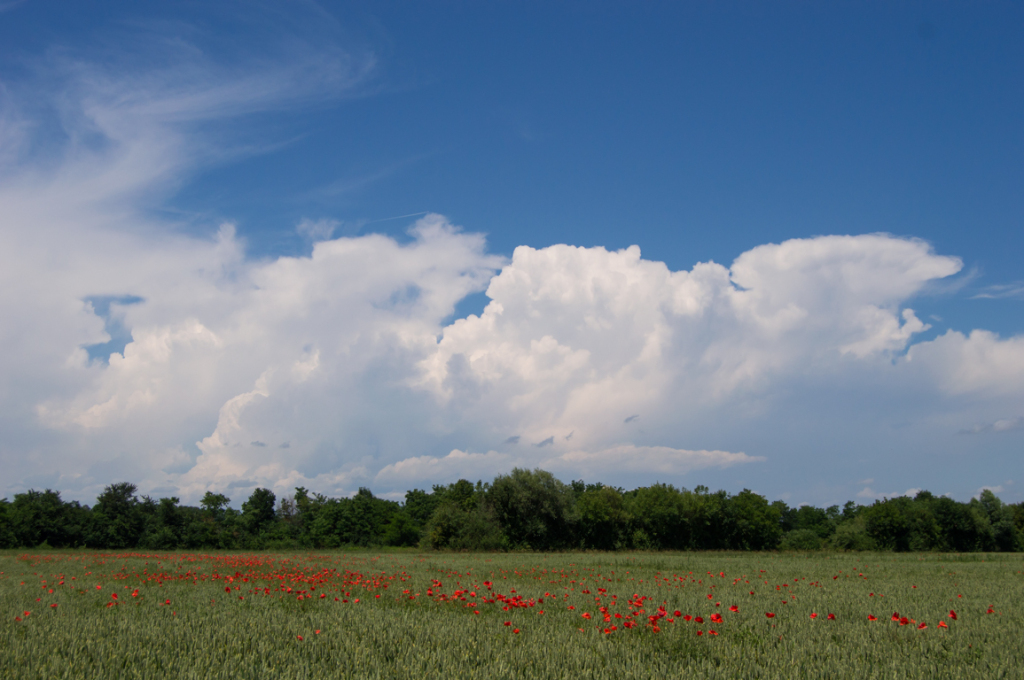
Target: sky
<point>391,245</point>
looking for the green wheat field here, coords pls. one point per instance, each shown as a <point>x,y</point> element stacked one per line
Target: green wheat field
<point>405,614</point>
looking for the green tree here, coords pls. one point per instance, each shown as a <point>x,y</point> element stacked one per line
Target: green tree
<point>603,519</point>
<point>7,538</point>
<point>658,518</point>
<point>753,523</point>
<point>37,517</point>
<point>534,509</point>
<point>119,520</point>
<point>258,512</point>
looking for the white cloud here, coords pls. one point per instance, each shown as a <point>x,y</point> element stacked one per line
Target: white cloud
<point>606,463</point>
<point>870,494</point>
<point>420,470</point>
<point>1002,425</point>
<point>340,363</point>
<point>317,230</point>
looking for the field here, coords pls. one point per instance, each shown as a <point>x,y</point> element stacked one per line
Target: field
<point>558,615</point>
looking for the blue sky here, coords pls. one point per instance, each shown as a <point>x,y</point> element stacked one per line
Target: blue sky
<point>696,132</point>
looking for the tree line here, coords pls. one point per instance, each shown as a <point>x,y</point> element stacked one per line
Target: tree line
<point>522,510</point>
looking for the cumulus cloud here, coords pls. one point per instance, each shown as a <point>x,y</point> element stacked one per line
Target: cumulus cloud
<point>337,369</point>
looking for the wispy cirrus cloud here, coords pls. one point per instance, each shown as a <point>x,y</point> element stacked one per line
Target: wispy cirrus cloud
<point>1014,290</point>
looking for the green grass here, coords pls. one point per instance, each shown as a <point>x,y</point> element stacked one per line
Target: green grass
<point>206,632</point>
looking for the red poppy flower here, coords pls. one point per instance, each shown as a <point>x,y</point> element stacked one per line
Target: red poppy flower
<point>586,615</point>
<point>113,596</point>
<point>814,615</point>
<point>770,615</point>
<point>515,630</point>
<point>942,624</point>
<point>687,618</point>
<point>990,611</point>
<point>713,632</point>
<point>53,606</point>
<point>699,619</point>
<point>700,632</point>
<point>676,613</point>
<point>716,618</point>
<point>895,616</point>
<point>299,637</point>
<point>734,608</point>
<point>831,617</point>
<point>952,614</point>
<point>922,626</point>
<point>871,618</point>
<point>508,623</point>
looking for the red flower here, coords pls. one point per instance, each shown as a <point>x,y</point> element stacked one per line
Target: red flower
<point>515,630</point>
<point>922,626</point>
<point>942,624</point>
<point>687,618</point>
<point>716,618</point>
<point>990,611</point>
<point>317,631</point>
<point>113,596</point>
<point>871,618</point>
<point>299,637</point>
<point>713,632</point>
<point>831,617</point>
<point>677,613</point>
<point>508,623</point>
<point>952,614</point>
<point>895,616</point>
<point>770,615</point>
<point>699,620</point>
<point>586,615</point>
<point>53,606</point>
<point>734,608</point>
<point>814,615</point>
<point>700,632</point>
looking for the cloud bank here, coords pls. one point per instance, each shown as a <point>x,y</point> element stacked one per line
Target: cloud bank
<point>339,369</point>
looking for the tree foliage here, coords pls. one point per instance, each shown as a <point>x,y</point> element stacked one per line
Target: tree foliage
<point>522,510</point>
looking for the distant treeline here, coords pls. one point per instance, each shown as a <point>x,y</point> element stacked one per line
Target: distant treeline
<point>523,510</point>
